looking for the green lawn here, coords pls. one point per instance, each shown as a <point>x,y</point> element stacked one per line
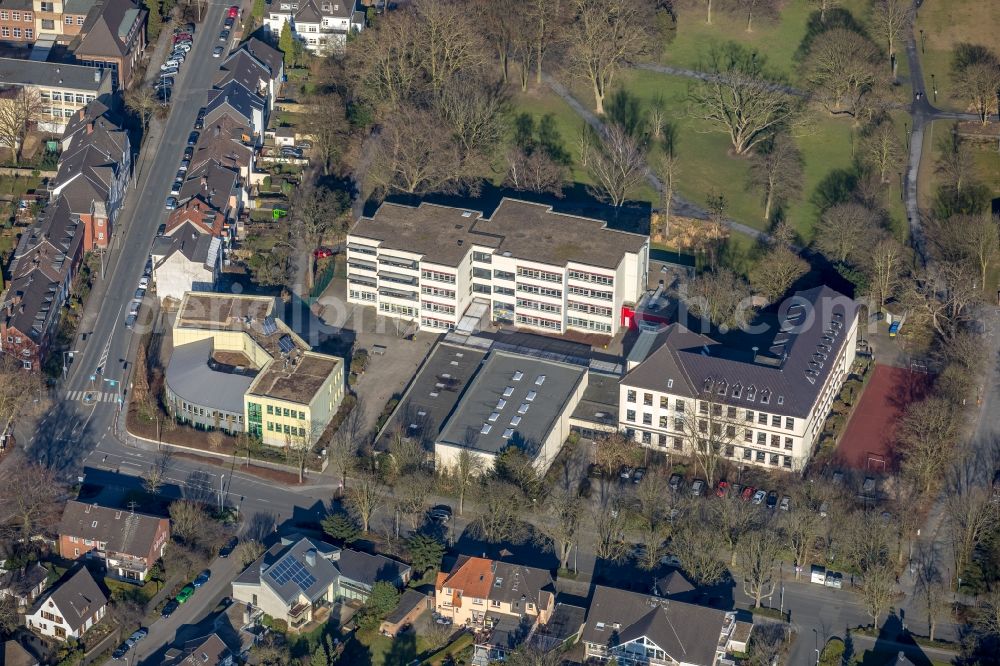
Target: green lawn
<point>374,649</point>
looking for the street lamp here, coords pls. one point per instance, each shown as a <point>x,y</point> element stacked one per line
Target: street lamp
<point>922,43</point>
<point>901,186</point>
<point>934,88</point>
<point>222,479</point>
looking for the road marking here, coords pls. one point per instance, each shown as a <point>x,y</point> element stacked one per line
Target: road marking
<point>96,396</point>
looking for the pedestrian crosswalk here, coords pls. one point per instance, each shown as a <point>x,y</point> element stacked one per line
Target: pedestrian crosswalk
<point>91,396</point>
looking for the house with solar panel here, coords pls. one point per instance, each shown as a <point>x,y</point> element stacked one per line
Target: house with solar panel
<point>299,579</point>
<point>236,367</point>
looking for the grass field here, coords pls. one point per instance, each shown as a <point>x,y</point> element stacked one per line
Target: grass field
<point>946,23</point>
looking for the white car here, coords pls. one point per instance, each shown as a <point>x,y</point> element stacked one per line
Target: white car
<point>143,282</point>
<point>758,497</point>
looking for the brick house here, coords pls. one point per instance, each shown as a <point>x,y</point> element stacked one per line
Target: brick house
<point>128,543</point>
<point>17,22</point>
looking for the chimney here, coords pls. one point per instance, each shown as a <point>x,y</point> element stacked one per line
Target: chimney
<point>90,127</point>
<point>311,557</point>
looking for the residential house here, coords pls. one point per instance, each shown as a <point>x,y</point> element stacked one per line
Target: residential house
<point>188,259</point>
<point>93,177</point>
<point>74,606</point>
<point>198,214</point>
<point>242,104</point>
<point>478,592</point>
<point>113,37</point>
<point>237,367</point>
<point>642,630</point>
<point>23,585</point>
<point>525,264</point>
<point>14,654</point>
<point>321,25</point>
<point>208,650</point>
<point>760,402</point>
<point>216,186</point>
<point>126,542</point>
<point>411,606</point>
<point>299,579</point>
<point>63,89</point>
<point>252,73</point>
<point>271,58</point>
<point>17,22</point>
<point>228,143</point>
<point>60,20</point>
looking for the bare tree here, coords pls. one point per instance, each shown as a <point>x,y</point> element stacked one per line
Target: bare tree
<point>652,519</point>
<point>500,520</point>
<point>364,496</point>
<point>325,120</point>
<point>34,495</point>
<point>316,214</point>
<point>386,61</point>
<point>247,551</point>
<point>824,6</point>
<point>605,36</point>
<point>841,70</point>
<point>609,526</point>
<point>498,21</point>
<point>735,519</point>
<point>877,590</point>
<point>758,559</point>
<point>447,40</point>
<point>970,512</point>
<point>668,169</point>
<point>17,389</point>
<point>563,510</point>
<point>927,438</point>
<point>982,239</point>
<point>699,545</point>
<point>17,114</point>
<point>614,449</point>
<point>760,7</point>
<point>976,84</point>
<point>710,433</point>
<point>142,102</point>
<point>777,271</point>
<point>776,171</point>
<point>617,165</point>
<point>845,232</point>
<point>534,172</point>
<point>188,519</point>
<point>475,108</point>
<point>886,259</point>
<point>154,477</point>
<point>955,162</point>
<point>468,467</point>
<point>800,529</point>
<point>345,443</point>
<point>545,27</point>
<point>721,297</point>
<point>737,98</point>
<point>934,594</point>
<point>891,21</point>
<point>881,150</point>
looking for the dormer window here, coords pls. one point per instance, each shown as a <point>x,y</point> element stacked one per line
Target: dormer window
<point>765,396</point>
<point>751,392</point>
<point>737,390</point>
<point>722,387</point>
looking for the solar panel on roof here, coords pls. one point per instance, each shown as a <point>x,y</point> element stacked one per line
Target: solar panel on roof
<point>270,327</point>
<point>285,343</point>
<point>291,570</point>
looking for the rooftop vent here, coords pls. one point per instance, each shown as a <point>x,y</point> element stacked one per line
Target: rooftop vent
<point>501,403</point>
<point>531,396</point>
<point>466,214</point>
<point>508,433</point>
<point>515,421</point>
<point>539,380</point>
<point>523,409</point>
<point>486,429</point>
<point>507,392</point>
<point>494,416</point>
<point>518,375</point>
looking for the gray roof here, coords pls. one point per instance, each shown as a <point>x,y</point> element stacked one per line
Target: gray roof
<point>15,71</point>
<point>784,376</point>
<point>193,243</point>
<point>77,598</point>
<point>107,27</point>
<point>367,569</point>
<point>673,585</point>
<point>232,97</point>
<point>190,378</point>
<point>123,531</point>
<point>599,404</point>
<point>14,654</point>
<point>517,585</point>
<point>410,600</point>
<point>243,67</point>
<point>267,54</point>
<point>687,633</point>
<point>527,407</point>
<point>21,582</point>
<point>212,183</point>
<point>529,231</point>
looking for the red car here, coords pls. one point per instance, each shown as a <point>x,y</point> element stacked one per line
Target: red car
<point>322,252</point>
<point>234,11</point>
<point>748,493</point>
<point>722,489</point>
<point>182,37</point>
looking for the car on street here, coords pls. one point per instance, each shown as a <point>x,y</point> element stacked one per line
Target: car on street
<point>229,22</point>
<point>169,65</point>
<point>722,489</point>
<point>759,497</point>
<point>217,51</point>
<point>772,499</point>
<point>440,513</point>
<point>160,230</point>
<point>130,321</point>
<point>169,71</point>
<point>304,145</point>
<point>189,28</point>
<point>224,36</point>
<point>169,609</point>
<point>176,187</point>
<point>228,548</point>
<point>834,579</point>
<point>676,481</point>
<point>697,488</point>
<point>138,635</point>
<point>140,293</point>
<point>180,174</point>
<point>322,252</point>
<point>133,307</point>
<point>122,649</point>
<point>202,578</point>
<point>171,203</point>
<point>747,493</point>
<point>185,163</point>
<point>182,47</point>
<point>290,151</point>
<point>185,593</point>
<point>639,473</point>
<point>165,82</point>
<point>233,11</point>
<point>786,503</point>
<point>164,93</point>
<point>193,138</point>
<point>188,152</point>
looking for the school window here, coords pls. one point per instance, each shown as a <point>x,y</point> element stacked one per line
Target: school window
<point>4,31</point>
<point>680,406</point>
<point>68,20</point>
<point>15,16</point>
<point>789,423</point>
<point>664,402</point>
<point>285,411</point>
<point>750,415</point>
<point>747,453</point>
<point>647,419</point>
<point>29,33</point>
<point>630,396</point>
<point>730,412</point>
<point>788,443</point>
<point>762,439</point>
<point>663,421</point>
<point>302,415</point>
<point>748,435</point>
<point>270,409</point>
<point>270,426</point>
<point>661,440</point>
<point>775,421</point>
<point>630,415</point>
<point>79,20</point>
<point>762,418</point>
<point>678,444</point>
<point>4,15</point>
<point>647,399</point>
<point>775,441</point>
<point>646,437</point>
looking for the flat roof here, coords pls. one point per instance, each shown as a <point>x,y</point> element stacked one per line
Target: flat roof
<point>513,399</point>
<point>434,392</point>
<point>599,404</point>
<point>189,376</point>
<point>252,315</point>
<point>16,71</point>
<point>528,231</point>
<point>298,380</point>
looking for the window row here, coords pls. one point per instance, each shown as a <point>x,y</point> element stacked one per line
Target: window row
<point>284,411</point>
<point>437,277</point>
<point>286,429</point>
<point>730,451</point>
<point>538,305</point>
<point>437,291</point>
<point>16,16</point>
<point>6,32</point>
<point>598,326</point>
<point>431,306</point>
<point>539,322</point>
<point>536,274</point>
<point>589,308</point>
<point>540,291</point>
<point>591,293</point>
<point>606,280</point>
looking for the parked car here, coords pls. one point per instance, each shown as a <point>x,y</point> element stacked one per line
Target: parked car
<point>440,513</point>
<point>758,497</point>
<point>182,38</point>
<point>625,473</point>
<point>228,549</point>
<point>188,152</point>
<point>171,203</point>
<point>322,252</point>
<point>176,187</point>
<point>772,499</point>
<point>122,649</point>
<point>133,307</point>
<point>183,166</point>
<point>671,560</point>
<point>169,65</point>
<point>834,579</point>
<point>697,488</point>
<point>138,635</point>
<point>160,230</point>
<point>140,293</point>
<point>169,71</point>
<point>202,578</point>
<point>639,473</point>
<point>164,94</point>
<point>130,321</point>
<point>747,493</point>
<point>180,174</point>
<point>165,81</point>
<point>722,489</point>
<point>786,503</point>
<point>182,47</point>
<point>169,609</point>
<point>224,36</point>
<point>290,151</point>
<point>185,593</point>
<point>229,22</point>
<point>217,51</point>
<point>676,481</point>
<point>193,138</point>
<point>233,11</point>
<point>189,27</point>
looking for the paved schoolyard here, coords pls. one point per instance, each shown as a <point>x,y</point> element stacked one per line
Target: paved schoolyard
<point>868,442</point>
